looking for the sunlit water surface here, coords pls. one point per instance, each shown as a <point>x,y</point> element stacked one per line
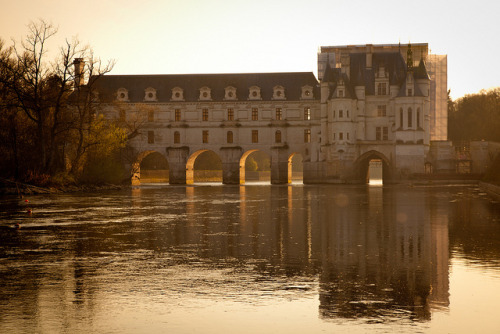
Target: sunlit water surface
<point>252,259</point>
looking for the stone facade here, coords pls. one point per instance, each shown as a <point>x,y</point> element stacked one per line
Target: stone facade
<point>370,105</point>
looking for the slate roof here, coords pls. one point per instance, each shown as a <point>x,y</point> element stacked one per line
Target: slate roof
<point>293,82</point>
<point>360,75</point>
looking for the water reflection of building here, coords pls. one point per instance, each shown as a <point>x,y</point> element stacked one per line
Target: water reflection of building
<point>380,251</point>
<point>381,254</point>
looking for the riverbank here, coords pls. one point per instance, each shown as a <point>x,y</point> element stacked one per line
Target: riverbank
<point>8,187</point>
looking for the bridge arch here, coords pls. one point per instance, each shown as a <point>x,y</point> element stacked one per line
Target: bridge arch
<point>243,162</point>
<point>190,164</point>
<point>136,165</point>
<point>294,165</point>
<point>362,165</point>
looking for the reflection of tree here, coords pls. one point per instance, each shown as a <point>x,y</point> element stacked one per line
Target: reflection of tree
<point>471,232</point>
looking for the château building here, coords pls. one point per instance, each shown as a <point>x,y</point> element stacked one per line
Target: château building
<point>374,105</point>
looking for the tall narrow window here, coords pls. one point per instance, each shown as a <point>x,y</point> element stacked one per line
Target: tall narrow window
<point>277,136</point>
<point>205,136</point>
<point>151,137</point>
<point>378,133</point>
<point>230,114</point>
<point>385,133</point>
<point>279,114</point>
<point>205,114</point>
<point>347,135</point>
<point>341,113</point>
<point>255,114</point>
<point>177,115</point>
<point>410,118</point>
<point>177,137</point>
<point>307,113</point>
<point>347,113</point>
<point>122,116</point>
<point>151,116</point>
<point>418,117</point>
<point>341,136</point>
<point>401,118</point>
<point>255,136</point>
<point>307,135</point>
<point>230,137</point>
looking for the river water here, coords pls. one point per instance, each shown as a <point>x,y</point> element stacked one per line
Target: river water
<point>252,259</point>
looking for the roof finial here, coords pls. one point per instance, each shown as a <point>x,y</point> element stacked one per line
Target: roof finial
<point>409,58</point>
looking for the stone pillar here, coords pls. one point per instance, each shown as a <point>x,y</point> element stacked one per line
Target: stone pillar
<point>230,157</point>
<point>177,159</point>
<point>279,165</point>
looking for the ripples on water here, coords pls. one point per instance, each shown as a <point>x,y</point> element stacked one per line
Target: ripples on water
<point>250,259</point>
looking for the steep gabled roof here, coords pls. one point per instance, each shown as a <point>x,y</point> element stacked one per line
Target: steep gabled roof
<point>293,82</point>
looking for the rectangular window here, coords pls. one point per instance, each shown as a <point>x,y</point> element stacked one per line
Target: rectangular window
<point>341,113</point>
<point>334,136</point>
<point>334,114</point>
<point>378,133</point>
<point>382,111</point>
<point>151,116</point>
<point>205,114</point>
<point>255,114</point>
<point>410,92</point>
<point>382,89</point>
<point>122,116</point>
<point>229,137</point>
<point>230,114</point>
<point>410,118</point>
<point>177,115</point>
<point>151,137</point>
<point>347,112</point>
<point>205,136</point>
<point>278,114</point>
<point>418,119</point>
<point>177,137</point>
<point>255,136</point>
<point>341,136</point>
<point>341,93</point>
<point>307,135</point>
<point>347,135</point>
<point>385,133</point>
<point>307,114</point>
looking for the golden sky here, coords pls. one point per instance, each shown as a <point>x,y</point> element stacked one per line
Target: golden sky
<point>233,36</point>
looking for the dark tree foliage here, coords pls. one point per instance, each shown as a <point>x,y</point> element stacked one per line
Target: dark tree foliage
<point>475,117</point>
<point>48,121</point>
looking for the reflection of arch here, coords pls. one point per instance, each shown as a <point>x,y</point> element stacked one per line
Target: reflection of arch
<point>190,165</point>
<point>361,165</point>
<point>136,166</point>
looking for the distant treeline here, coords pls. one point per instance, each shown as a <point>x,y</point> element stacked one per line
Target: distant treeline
<point>475,117</point>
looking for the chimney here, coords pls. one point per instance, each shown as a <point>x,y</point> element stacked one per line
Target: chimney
<point>79,65</point>
<point>369,56</point>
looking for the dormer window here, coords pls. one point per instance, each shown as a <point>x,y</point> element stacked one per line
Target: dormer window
<point>382,88</point>
<point>307,92</point>
<point>177,94</point>
<point>254,93</point>
<point>150,94</point>
<point>205,94</point>
<point>122,95</point>
<point>278,93</point>
<point>230,93</point>
<point>340,93</point>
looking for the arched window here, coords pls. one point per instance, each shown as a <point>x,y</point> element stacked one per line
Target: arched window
<point>277,136</point>
<point>177,137</point>
<point>410,118</point>
<point>230,137</point>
